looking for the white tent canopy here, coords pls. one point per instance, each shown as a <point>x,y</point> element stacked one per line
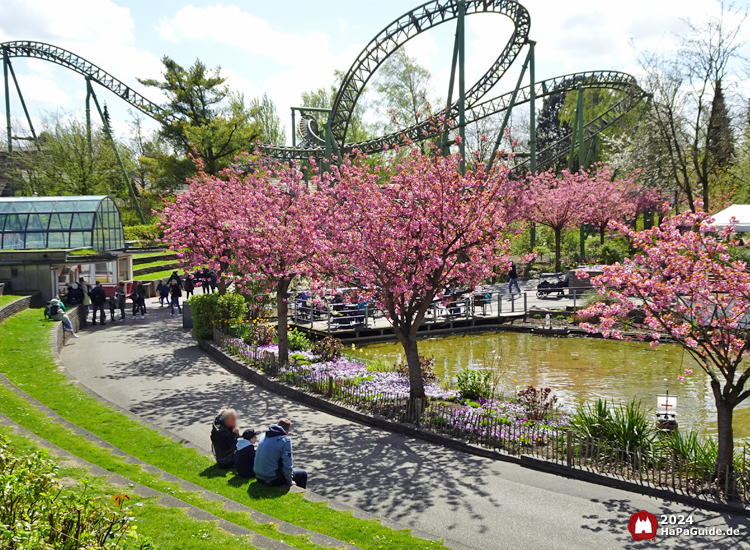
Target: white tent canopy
<point>741,213</point>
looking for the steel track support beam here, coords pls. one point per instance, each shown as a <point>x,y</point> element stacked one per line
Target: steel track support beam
<point>532,126</point>
<point>581,135</point>
<point>294,130</point>
<point>461,37</point>
<point>451,85</point>
<point>508,111</point>
<point>89,142</point>
<point>108,131</point>
<point>6,63</point>
<point>23,105</point>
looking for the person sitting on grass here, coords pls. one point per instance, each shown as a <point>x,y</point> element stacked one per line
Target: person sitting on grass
<point>274,465</point>
<point>55,310</point>
<point>224,433</point>
<point>244,457</point>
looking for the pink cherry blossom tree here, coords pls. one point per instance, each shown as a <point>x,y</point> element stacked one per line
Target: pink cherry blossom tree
<point>607,198</point>
<point>199,228</point>
<point>403,230</point>
<point>559,202</point>
<point>692,290</point>
<point>278,234</point>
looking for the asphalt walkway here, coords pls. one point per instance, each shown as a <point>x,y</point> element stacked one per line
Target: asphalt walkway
<point>154,368</point>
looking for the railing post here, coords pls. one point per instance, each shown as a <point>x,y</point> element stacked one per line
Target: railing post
<point>569,448</point>
<point>512,304</point>
<point>366,321</point>
<point>525,305</point>
<point>575,295</point>
<point>330,385</point>
<point>329,321</point>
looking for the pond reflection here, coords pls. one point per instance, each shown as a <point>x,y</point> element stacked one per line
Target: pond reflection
<point>580,369</point>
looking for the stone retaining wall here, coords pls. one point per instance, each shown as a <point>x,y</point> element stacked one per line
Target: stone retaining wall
<point>77,316</point>
<point>23,302</point>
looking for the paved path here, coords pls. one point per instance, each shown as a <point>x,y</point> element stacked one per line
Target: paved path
<point>155,369</point>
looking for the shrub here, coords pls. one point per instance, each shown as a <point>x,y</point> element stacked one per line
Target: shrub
<point>537,404</point>
<point>144,233</point>
<point>427,364</point>
<point>612,253</point>
<point>298,341</point>
<point>700,453</point>
<point>210,309</point>
<point>260,335</point>
<point>36,514</point>
<point>474,384</point>
<point>328,349</point>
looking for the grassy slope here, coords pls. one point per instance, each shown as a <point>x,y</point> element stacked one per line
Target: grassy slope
<point>5,299</point>
<point>166,527</point>
<point>155,263</point>
<point>26,360</point>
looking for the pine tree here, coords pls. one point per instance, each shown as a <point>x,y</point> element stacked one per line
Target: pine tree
<point>720,139</point>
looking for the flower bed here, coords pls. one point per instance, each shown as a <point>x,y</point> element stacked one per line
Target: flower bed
<point>496,422</point>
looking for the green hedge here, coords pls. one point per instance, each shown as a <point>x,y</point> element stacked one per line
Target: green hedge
<point>146,233</point>
<point>209,309</point>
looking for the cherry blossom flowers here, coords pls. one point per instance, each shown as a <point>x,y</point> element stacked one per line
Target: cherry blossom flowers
<point>691,289</point>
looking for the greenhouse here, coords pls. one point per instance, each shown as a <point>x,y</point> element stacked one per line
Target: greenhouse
<point>33,223</point>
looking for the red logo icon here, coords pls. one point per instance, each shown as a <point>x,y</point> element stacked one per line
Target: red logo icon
<point>643,525</point>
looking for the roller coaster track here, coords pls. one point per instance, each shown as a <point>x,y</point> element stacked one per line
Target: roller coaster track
<point>394,36</point>
<point>69,60</point>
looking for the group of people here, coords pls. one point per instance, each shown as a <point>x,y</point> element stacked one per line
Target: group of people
<point>94,298</point>
<point>170,291</point>
<point>272,463</point>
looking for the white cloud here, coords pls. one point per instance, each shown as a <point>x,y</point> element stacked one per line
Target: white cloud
<point>242,30</point>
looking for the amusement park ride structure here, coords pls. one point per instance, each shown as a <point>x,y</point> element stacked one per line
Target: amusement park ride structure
<point>470,105</point>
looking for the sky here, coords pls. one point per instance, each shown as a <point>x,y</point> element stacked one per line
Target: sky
<point>284,48</point>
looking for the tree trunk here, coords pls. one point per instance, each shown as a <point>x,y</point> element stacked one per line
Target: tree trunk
<point>558,238</point>
<point>602,230</point>
<point>282,287</point>
<point>724,412</point>
<point>416,383</point>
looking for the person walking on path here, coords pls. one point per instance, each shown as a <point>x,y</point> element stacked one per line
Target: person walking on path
<point>86,300</point>
<point>56,311</point>
<point>176,278</point>
<point>138,303</point>
<point>224,434</point>
<point>513,275</point>
<point>163,289</point>
<point>121,295</point>
<point>142,293</point>
<point>176,294</point>
<point>98,299</point>
<point>274,464</point>
<point>189,286</point>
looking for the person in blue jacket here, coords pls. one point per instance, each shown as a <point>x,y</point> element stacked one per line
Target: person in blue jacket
<point>244,456</point>
<point>274,464</point>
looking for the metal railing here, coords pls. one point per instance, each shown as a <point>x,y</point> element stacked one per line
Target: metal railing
<point>470,307</point>
<point>547,440</point>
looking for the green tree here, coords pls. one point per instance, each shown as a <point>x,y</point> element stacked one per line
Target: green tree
<point>202,114</point>
<point>265,115</point>
<point>720,135</point>
<point>402,87</point>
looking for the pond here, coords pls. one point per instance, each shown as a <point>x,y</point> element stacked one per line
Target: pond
<point>580,369</point>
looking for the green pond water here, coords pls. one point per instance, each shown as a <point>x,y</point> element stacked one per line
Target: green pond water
<point>580,369</point>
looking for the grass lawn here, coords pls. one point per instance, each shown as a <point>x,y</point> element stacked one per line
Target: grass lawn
<point>152,254</point>
<point>155,263</point>
<point>158,275</point>
<point>166,527</point>
<point>5,299</point>
<point>25,358</point>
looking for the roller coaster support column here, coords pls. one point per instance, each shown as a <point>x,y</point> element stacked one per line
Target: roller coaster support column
<point>508,111</point>
<point>446,136</point>
<point>6,62</point>
<point>460,35</point>
<point>89,91</point>
<point>23,103</point>
<point>532,127</point>
<point>108,131</point>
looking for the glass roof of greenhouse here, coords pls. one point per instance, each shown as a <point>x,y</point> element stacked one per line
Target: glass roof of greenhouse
<point>32,223</point>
